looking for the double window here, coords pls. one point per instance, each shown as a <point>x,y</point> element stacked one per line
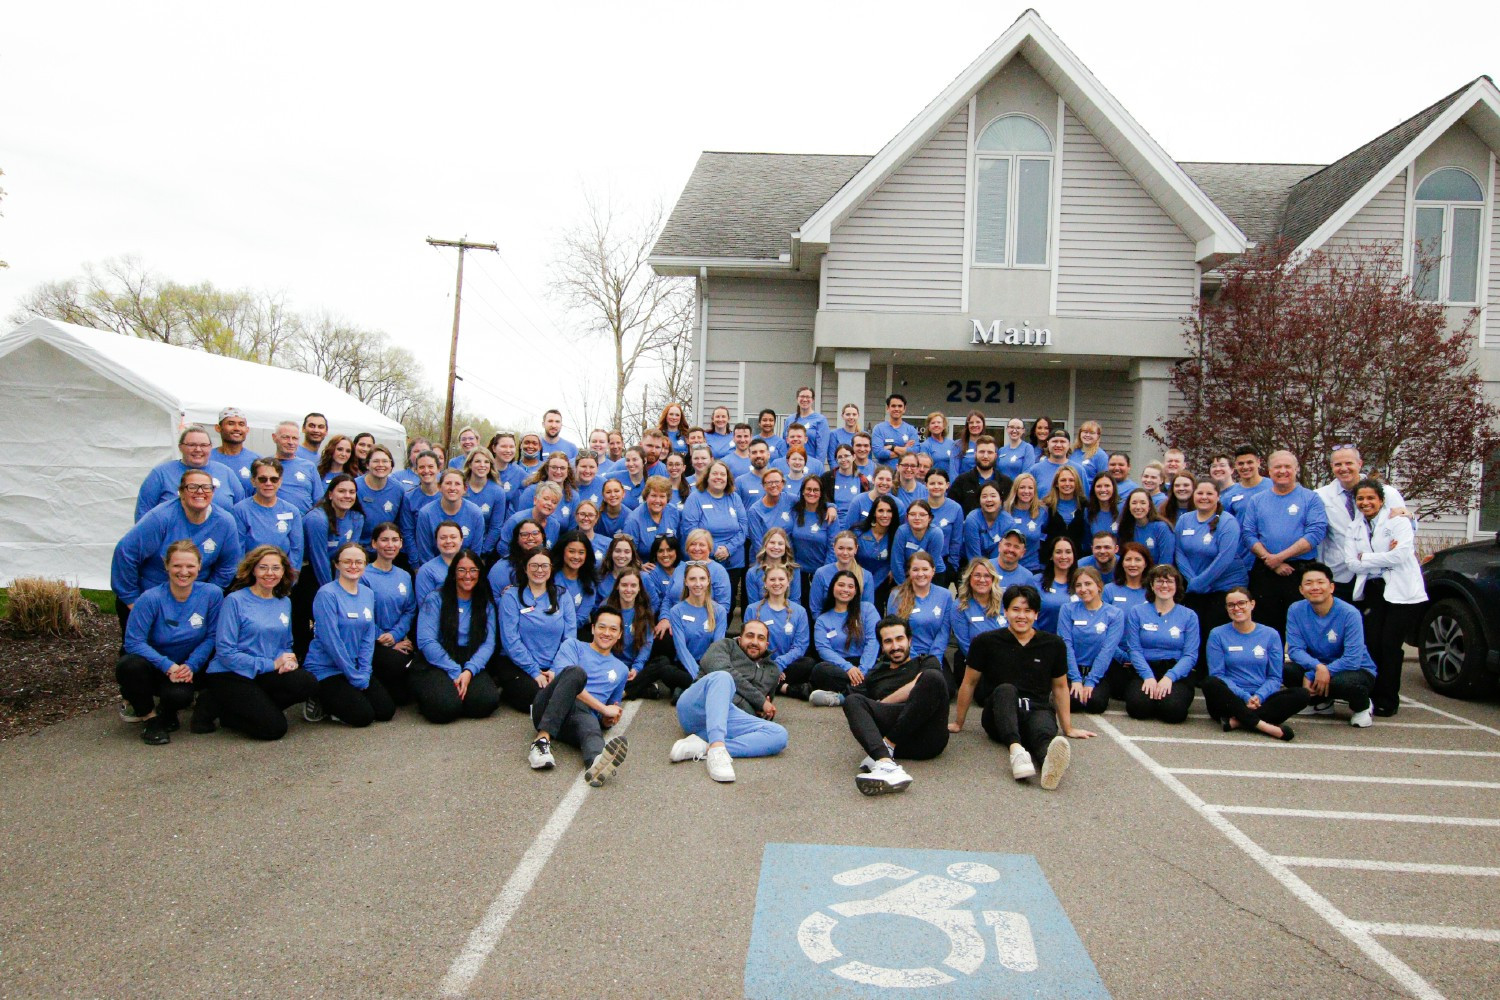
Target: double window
<point>1449,227</point>
<point>1012,193</point>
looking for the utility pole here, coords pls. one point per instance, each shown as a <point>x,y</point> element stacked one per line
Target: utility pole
<point>458,290</point>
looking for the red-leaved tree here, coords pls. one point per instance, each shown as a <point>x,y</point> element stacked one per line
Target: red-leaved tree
<point>1307,352</point>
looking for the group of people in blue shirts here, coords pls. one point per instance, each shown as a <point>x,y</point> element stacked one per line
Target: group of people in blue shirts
<point>324,575</point>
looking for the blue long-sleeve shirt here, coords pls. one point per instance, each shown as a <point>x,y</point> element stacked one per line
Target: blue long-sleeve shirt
<point>583,603</point>
<point>759,519</point>
<point>550,530</point>
<point>643,530</point>
<point>831,640</point>
<point>301,486</point>
<point>883,435</point>
<point>874,554</point>
<point>1124,597</point>
<point>718,585</point>
<point>239,465</point>
<point>948,517</point>
<point>1013,577</point>
<point>412,505</point>
<point>811,538</point>
<point>137,563</point>
<point>626,651</point>
<point>470,521</point>
<point>1033,527</point>
<point>724,517</point>
<point>816,426</point>
<point>691,634</point>
<point>432,573</point>
<point>164,631</point>
<point>906,543</point>
<point>859,510</point>
<point>1045,470</point>
<point>1277,521</point>
<point>395,599</point>
<point>846,490</point>
<point>344,631</point>
<point>1092,639</point>
<point>530,635</point>
<point>494,506</point>
<point>253,632</point>
<point>1249,664</point>
<point>1210,559</point>
<point>379,505</point>
<point>930,621</point>
<point>320,544</point>
<point>972,621</point>
<point>1150,637</point>
<point>755,585</point>
<point>160,485</point>
<point>1056,598</point>
<point>982,536</point>
<point>790,634</point>
<point>279,525</point>
<point>430,643</point>
<point>823,576</point>
<point>1160,540</point>
<point>1014,461</point>
<point>944,454</point>
<point>1336,640</point>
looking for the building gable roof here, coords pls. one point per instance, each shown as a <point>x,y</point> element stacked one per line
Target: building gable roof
<point>1030,37</point>
<point>1321,204</point>
<point>745,206</point>
<point>1253,195</point>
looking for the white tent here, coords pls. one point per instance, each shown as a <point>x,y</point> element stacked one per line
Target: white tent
<point>85,414</point>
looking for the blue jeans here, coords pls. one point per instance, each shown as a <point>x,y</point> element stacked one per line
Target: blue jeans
<point>707,709</point>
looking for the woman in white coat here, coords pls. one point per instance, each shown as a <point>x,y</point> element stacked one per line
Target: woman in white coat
<point>1388,588</point>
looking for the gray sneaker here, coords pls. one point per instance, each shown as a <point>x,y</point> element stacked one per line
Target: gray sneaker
<point>1055,765</point>
<point>312,710</point>
<point>825,699</point>
<point>609,760</point>
<point>127,714</point>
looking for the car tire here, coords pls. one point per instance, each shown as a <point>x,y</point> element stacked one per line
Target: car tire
<point>1452,650</point>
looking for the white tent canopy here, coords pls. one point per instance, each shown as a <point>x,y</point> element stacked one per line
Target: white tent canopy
<point>85,414</point>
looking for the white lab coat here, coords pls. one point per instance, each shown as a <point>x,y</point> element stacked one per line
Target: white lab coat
<point>1371,556</point>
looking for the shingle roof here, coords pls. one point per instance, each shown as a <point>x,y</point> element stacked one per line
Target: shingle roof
<point>1253,195</point>
<point>749,204</point>
<point>1315,199</point>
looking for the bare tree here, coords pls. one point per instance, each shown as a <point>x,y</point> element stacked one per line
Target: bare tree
<point>601,274</point>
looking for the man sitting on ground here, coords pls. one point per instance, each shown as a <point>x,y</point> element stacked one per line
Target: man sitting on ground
<point>900,709</point>
<point>728,711</point>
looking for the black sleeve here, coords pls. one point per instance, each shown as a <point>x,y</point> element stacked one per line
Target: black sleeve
<point>1057,658</point>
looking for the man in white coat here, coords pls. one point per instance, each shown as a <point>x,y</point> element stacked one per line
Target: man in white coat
<point>1338,501</point>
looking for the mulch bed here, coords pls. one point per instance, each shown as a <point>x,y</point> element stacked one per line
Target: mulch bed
<point>48,678</point>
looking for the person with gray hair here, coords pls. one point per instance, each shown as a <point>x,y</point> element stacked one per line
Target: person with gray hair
<point>1338,501</point>
<point>301,486</point>
<point>544,503</point>
<point>195,447</point>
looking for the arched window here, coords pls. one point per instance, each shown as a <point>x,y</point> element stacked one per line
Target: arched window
<point>1012,193</point>
<point>1449,224</point>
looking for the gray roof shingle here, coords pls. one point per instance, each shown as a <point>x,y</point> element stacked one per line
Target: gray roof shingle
<point>1315,199</point>
<point>748,204</point>
<point>1253,195</point>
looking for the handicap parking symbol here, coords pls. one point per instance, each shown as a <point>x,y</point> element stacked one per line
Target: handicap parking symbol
<point>873,922</point>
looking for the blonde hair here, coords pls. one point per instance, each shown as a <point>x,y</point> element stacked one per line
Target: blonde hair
<point>1078,438</point>
<point>765,562</point>
<point>965,597</point>
<point>708,595</point>
<point>1036,500</point>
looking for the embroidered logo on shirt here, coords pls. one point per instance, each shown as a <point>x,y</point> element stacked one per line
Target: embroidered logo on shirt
<point>1260,652</point>
<point>1101,627</point>
<point>1174,631</point>
<point>210,545</point>
<point>284,619</point>
<point>281,526</point>
<point>349,535</point>
<point>244,472</point>
<point>1333,635</point>
<point>937,610</point>
<point>787,628</point>
<point>369,615</point>
<point>1150,543</point>
<point>484,508</point>
<point>612,676</point>
<point>400,588</point>
<point>1030,525</point>
<point>195,620</point>
<point>301,477</point>
<point>1292,509</point>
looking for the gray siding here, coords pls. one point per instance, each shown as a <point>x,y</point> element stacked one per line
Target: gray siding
<point>761,319</point>
<point>902,249</point>
<point>1383,219</point>
<point>828,395</point>
<point>1492,309</point>
<point>1109,398</point>
<point>721,387</point>
<point>1119,254</point>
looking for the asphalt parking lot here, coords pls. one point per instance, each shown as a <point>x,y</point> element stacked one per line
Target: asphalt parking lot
<point>419,861</point>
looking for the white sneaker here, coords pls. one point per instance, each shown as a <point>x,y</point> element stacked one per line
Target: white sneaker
<point>609,760</point>
<point>825,699</point>
<point>720,767</point>
<point>884,778</point>
<point>540,755</point>
<point>127,714</point>
<point>1059,755</point>
<point>1021,764</point>
<point>1362,719</point>
<point>690,747</point>
<point>312,710</point>
<point>868,764</point>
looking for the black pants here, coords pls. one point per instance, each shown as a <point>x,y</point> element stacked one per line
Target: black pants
<point>1352,686</point>
<point>1173,708</point>
<point>517,688</point>
<point>1007,721</point>
<point>918,726</point>
<point>1211,614</point>
<point>142,685</point>
<point>1386,628</point>
<point>658,668</point>
<point>1223,704</point>
<point>825,676</point>
<point>355,707</point>
<point>258,707</point>
<point>438,700</point>
<point>123,614</point>
<point>303,593</point>
<point>883,594</point>
<point>737,596</point>
<point>1275,593</point>
<point>1098,702</point>
<point>393,670</point>
<point>800,671</point>
<point>558,712</point>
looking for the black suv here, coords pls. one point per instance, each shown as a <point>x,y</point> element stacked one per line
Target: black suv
<point>1459,636</point>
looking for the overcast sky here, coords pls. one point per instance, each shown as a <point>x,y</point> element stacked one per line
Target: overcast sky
<point>310,147</point>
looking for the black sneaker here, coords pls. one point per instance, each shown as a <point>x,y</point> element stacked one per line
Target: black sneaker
<point>660,691</point>
<point>169,721</point>
<point>205,715</point>
<point>1382,712</point>
<point>154,733</point>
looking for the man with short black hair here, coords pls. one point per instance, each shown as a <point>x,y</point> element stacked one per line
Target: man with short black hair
<point>738,458</point>
<point>1104,555</point>
<point>893,436</point>
<point>901,709</point>
<point>1248,481</point>
<point>1325,641</point>
<point>314,430</point>
<point>551,436</point>
<point>728,711</point>
<point>231,452</point>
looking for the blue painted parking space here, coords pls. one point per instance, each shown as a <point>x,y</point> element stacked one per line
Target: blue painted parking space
<point>835,921</point>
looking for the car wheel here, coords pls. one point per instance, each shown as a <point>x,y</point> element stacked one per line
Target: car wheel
<point>1452,650</point>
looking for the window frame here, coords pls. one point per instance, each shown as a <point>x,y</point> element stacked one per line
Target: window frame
<point>1013,195</point>
<point>1445,250</point>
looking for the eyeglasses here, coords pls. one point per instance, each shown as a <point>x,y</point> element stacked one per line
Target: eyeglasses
<point>530,533</point>
<point>268,479</point>
<point>198,488</point>
<point>1231,605</point>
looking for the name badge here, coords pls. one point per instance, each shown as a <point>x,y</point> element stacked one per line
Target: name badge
<point>1122,600</point>
<point>688,618</point>
<point>527,611</point>
<point>1080,624</point>
<point>351,614</point>
<point>832,635</point>
<point>1149,627</point>
<point>974,619</point>
<point>708,506</point>
<point>1188,531</point>
<point>1236,649</point>
<point>913,545</point>
<point>285,515</point>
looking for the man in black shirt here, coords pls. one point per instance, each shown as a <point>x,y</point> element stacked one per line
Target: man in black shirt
<point>1014,670</point>
<point>901,708</point>
<point>966,487</point>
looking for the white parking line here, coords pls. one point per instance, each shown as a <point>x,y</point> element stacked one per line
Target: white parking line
<point>1323,720</point>
<point>1357,934</point>
<point>1357,778</point>
<point>483,938</point>
<point>1268,744</point>
<point>1406,867</point>
<point>1449,715</point>
<point>1356,816</point>
<point>1430,931</point>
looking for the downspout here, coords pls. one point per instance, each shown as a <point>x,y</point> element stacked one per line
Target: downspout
<point>702,340</point>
